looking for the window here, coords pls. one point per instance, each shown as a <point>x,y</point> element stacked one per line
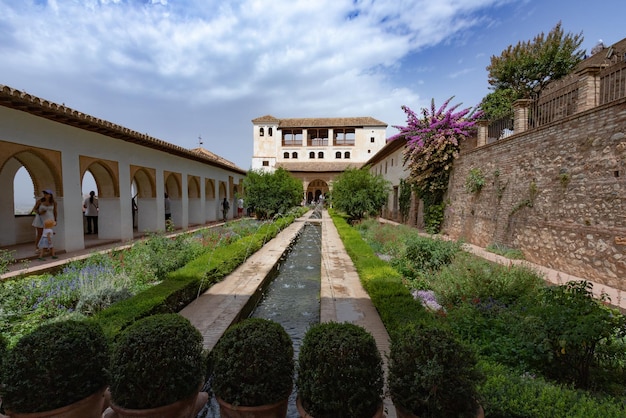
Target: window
<point>320,154</point>
<point>311,154</point>
<point>294,155</point>
<point>292,137</point>
<point>372,139</point>
<point>317,137</point>
<point>392,162</point>
<point>266,163</point>
<point>338,154</point>
<point>385,167</point>
<point>269,131</point>
<point>344,136</point>
<point>346,155</point>
<point>261,132</point>
<point>285,155</point>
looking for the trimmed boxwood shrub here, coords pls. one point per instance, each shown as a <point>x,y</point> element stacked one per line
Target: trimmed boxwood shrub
<point>55,365</point>
<point>253,363</point>
<point>432,374</point>
<point>155,362</point>
<point>339,371</point>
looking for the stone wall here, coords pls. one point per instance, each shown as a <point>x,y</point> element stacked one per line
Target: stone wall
<point>558,193</point>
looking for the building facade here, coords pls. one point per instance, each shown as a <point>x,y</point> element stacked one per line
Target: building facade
<point>315,150</point>
<point>57,145</point>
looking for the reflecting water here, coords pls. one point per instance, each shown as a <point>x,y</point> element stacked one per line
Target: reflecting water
<point>291,298</point>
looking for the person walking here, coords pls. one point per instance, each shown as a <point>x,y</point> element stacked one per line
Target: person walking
<point>91,212</point>
<point>240,207</point>
<point>225,208</point>
<point>168,209</point>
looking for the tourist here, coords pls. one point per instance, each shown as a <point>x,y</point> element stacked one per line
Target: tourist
<point>90,205</point>
<point>240,207</point>
<point>225,208</point>
<point>46,209</point>
<point>45,242</point>
<point>168,209</point>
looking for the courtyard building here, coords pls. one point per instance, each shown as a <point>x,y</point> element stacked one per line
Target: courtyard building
<point>315,150</point>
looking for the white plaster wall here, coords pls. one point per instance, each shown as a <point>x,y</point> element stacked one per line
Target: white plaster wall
<point>23,128</point>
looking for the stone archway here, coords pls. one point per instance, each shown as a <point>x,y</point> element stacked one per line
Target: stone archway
<point>316,189</point>
<point>42,166</point>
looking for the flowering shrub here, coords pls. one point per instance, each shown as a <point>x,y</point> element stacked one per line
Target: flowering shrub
<point>432,144</point>
<point>428,299</point>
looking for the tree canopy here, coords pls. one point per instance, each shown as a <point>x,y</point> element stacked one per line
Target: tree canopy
<point>523,70</point>
<point>271,193</point>
<point>358,192</point>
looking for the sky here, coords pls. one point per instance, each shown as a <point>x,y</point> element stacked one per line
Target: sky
<point>191,71</point>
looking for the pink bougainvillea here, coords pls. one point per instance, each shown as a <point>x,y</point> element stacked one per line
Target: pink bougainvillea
<point>432,143</point>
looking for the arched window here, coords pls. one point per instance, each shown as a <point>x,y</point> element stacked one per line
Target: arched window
<point>311,154</point>
<point>261,132</point>
<point>285,155</point>
<point>338,154</point>
<point>346,155</point>
<point>269,131</point>
<point>294,155</point>
<point>320,154</point>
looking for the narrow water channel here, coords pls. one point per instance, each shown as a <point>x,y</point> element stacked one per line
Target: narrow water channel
<point>291,298</point>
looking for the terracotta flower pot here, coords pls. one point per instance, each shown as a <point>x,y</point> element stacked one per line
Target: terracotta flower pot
<point>403,413</point>
<point>185,408</point>
<point>89,407</point>
<point>303,414</point>
<point>276,410</point>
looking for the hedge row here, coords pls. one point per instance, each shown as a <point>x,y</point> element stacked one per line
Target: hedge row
<point>505,393</point>
<point>182,286</point>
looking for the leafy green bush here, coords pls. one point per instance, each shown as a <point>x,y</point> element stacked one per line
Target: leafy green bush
<point>570,326</point>
<point>253,363</point>
<point>357,192</point>
<point>472,278</point>
<point>54,366</point>
<point>271,193</point>
<point>422,255</point>
<point>507,393</point>
<point>431,374</point>
<point>339,372</point>
<point>156,361</point>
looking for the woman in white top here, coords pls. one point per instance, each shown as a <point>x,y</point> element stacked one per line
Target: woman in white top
<point>91,212</point>
<point>45,209</point>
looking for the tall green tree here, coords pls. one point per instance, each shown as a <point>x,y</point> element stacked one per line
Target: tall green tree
<point>523,70</point>
<point>357,192</point>
<point>272,193</point>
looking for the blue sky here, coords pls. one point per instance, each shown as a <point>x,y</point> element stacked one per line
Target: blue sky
<point>180,69</point>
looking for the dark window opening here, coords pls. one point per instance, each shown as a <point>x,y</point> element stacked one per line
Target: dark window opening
<point>338,154</point>
<point>266,163</point>
<point>261,132</point>
<point>294,155</point>
<point>311,154</point>
<point>346,155</point>
<point>285,155</point>
<point>320,155</point>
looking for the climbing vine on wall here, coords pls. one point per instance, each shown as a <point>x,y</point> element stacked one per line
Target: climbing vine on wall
<point>404,199</point>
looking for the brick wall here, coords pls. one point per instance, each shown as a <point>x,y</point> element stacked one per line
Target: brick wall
<point>558,193</point>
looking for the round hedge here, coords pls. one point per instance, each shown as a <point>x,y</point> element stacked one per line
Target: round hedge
<point>432,374</point>
<point>253,363</point>
<point>55,365</point>
<point>156,361</point>
<point>340,372</point>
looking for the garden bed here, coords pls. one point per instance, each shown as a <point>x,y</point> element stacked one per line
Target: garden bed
<point>158,274</point>
<point>545,350</point>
